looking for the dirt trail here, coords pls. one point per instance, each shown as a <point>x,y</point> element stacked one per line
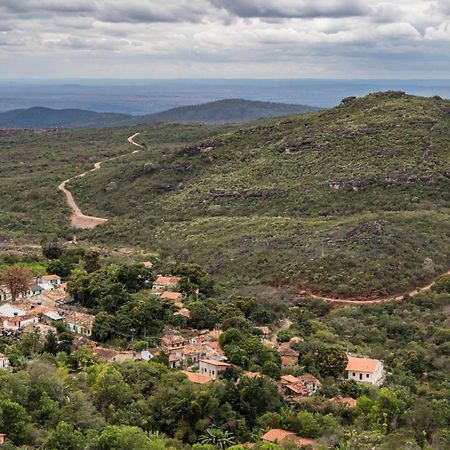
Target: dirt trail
<point>348,301</point>
<point>78,219</point>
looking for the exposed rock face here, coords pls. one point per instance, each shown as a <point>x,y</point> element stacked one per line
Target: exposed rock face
<point>366,231</point>
<point>348,100</point>
<point>200,148</point>
<point>356,185</point>
<point>446,110</point>
<point>246,193</point>
<point>399,175</point>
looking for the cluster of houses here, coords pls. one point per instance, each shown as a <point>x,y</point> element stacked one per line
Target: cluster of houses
<point>163,287</point>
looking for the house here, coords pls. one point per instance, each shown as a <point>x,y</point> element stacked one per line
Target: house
<point>4,361</point>
<point>279,436</point>
<point>51,316</point>
<point>171,341</point>
<point>289,357</point>
<point>212,367</point>
<point>54,280</point>
<point>147,264</point>
<point>288,379</point>
<point>35,289</point>
<point>365,370</point>
<point>2,438</point>
<point>12,318</point>
<point>310,382</point>
<point>165,282</point>
<point>197,378</point>
<point>170,295</point>
<point>80,323</point>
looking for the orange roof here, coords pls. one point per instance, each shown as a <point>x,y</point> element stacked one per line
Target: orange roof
<point>278,435</point>
<point>197,378</point>
<point>361,364</point>
<point>298,388</point>
<point>288,379</point>
<point>168,295</point>
<point>214,362</point>
<point>167,281</point>
<point>147,264</point>
<point>51,277</point>
<point>305,441</point>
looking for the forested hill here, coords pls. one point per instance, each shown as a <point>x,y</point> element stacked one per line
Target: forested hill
<point>221,111</point>
<point>351,201</point>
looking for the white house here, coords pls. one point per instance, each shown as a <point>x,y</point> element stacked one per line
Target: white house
<point>12,318</point>
<point>212,368</point>
<point>365,370</point>
<point>54,280</point>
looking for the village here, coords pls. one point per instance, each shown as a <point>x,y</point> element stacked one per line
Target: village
<point>196,353</point>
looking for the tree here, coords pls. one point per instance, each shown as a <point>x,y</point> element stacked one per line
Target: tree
<point>16,278</point>
<point>52,250</point>
<point>13,421</point>
<point>120,437</point>
<point>65,436</point>
<point>271,369</point>
<point>51,343</point>
<point>219,438</point>
<point>331,361</point>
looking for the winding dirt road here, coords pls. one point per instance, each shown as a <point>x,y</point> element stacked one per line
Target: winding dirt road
<point>78,219</point>
<point>345,301</point>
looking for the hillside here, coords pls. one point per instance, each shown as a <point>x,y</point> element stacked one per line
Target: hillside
<point>351,201</point>
<point>221,111</point>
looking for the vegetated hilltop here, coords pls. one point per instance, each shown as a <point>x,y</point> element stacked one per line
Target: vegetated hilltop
<point>221,111</point>
<point>351,201</point>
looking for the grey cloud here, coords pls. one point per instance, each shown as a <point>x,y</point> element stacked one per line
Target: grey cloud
<point>294,8</point>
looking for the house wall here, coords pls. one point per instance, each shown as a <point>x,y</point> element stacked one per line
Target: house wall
<point>210,369</point>
<point>375,378</point>
<point>288,361</point>
<point>4,363</point>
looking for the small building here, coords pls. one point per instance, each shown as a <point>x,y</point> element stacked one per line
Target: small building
<point>147,264</point>
<point>365,370</point>
<point>51,316</point>
<point>197,378</point>
<point>170,295</point>
<point>289,357</point>
<point>35,289</point>
<point>4,361</point>
<point>212,367</point>
<point>310,382</point>
<point>288,379</point>
<point>172,341</point>
<point>12,318</point>
<point>2,438</point>
<point>54,280</point>
<point>80,323</point>
<point>163,283</point>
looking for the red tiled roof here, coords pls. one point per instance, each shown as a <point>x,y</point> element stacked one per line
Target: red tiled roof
<point>168,295</point>
<point>52,277</point>
<point>361,364</point>
<point>167,281</point>
<point>252,375</point>
<point>214,362</point>
<point>288,379</point>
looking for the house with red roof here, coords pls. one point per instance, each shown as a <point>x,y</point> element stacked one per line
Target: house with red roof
<point>365,370</point>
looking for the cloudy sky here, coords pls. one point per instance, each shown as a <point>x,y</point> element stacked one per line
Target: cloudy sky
<point>225,38</point>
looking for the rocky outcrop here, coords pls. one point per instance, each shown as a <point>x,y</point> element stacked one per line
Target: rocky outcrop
<point>347,100</point>
<point>245,193</point>
<point>200,148</point>
<point>356,184</point>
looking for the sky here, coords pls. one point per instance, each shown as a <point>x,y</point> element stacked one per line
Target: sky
<point>350,39</point>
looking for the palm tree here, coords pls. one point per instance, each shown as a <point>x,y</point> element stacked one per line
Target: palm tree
<point>218,437</point>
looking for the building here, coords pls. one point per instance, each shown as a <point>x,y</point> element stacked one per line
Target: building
<point>147,264</point>
<point>4,361</point>
<point>163,283</point>
<point>173,341</point>
<point>212,367</point>
<point>54,280</point>
<point>289,357</point>
<point>310,382</point>
<point>2,438</point>
<point>35,289</point>
<point>170,295</point>
<point>12,318</point>
<point>279,436</point>
<point>365,370</point>
<point>80,323</point>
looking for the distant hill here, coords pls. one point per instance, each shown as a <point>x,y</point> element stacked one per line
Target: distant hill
<point>221,111</point>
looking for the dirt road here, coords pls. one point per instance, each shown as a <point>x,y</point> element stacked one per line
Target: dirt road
<point>78,219</point>
<point>349,301</point>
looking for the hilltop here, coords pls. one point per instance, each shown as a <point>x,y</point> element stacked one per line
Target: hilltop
<point>351,201</point>
<point>221,111</point>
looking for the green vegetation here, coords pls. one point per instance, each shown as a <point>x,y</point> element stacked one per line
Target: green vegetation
<point>349,202</point>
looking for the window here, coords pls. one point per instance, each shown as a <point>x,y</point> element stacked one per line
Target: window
<point>360,376</point>
<point>354,373</point>
<point>367,375</point>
